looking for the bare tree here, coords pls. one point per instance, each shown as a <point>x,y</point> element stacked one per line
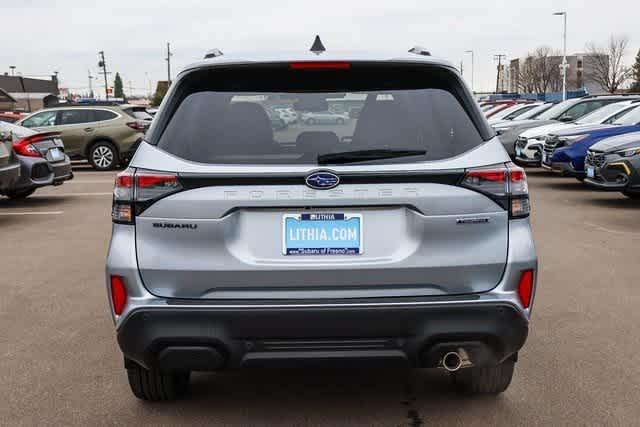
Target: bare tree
<point>607,67</point>
<point>539,71</point>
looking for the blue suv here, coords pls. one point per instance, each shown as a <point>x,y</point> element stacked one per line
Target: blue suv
<point>564,152</point>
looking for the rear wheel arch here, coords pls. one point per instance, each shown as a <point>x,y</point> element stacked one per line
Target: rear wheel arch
<point>97,140</point>
<point>106,142</point>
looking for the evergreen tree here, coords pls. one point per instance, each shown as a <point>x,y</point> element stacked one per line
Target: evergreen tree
<point>118,91</point>
<point>635,86</point>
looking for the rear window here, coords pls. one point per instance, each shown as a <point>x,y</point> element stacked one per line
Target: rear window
<point>138,113</point>
<point>102,115</point>
<point>223,116</point>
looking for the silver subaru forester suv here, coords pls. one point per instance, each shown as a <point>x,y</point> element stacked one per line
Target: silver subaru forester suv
<point>398,234</point>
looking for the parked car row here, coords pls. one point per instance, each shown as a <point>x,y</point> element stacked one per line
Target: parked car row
<point>595,139</point>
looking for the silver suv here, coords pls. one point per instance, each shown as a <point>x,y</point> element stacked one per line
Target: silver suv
<point>401,235</point>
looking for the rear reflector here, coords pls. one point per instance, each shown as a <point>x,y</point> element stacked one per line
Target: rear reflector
<point>320,65</point>
<point>525,288</point>
<point>118,294</point>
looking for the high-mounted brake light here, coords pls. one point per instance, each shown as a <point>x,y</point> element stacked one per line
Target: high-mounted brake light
<point>118,294</point>
<point>320,65</point>
<point>25,147</point>
<point>505,184</point>
<point>134,191</point>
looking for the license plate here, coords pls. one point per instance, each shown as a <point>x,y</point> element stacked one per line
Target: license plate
<point>591,172</point>
<point>322,234</point>
<point>55,155</point>
<point>518,151</point>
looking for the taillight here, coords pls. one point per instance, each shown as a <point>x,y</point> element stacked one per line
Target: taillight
<point>505,184</point>
<point>118,294</point>
<point>25,147</point>
<point>137,126</point>
<point>134,191</point>
<point>525,288</point>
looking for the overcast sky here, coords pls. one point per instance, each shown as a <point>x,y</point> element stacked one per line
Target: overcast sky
<point>43,36</point>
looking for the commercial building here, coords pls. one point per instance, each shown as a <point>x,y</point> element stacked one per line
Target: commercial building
<point>28,94</point>
<point>581,67</point>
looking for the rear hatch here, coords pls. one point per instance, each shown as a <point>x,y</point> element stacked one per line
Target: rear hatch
<point>382,204</point>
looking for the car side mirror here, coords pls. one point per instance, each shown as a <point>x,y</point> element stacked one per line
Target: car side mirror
<point>566,119</point>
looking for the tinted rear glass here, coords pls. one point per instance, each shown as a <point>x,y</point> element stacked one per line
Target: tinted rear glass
<point>224,117</point>
<point>101,115</point>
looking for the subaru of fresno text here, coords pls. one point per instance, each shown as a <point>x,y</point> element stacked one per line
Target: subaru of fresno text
<point>401,235</point>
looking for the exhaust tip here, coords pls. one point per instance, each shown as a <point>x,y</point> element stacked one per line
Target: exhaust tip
<point>451,361</point>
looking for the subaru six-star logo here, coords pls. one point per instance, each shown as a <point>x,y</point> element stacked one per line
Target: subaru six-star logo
<point>322,180</point>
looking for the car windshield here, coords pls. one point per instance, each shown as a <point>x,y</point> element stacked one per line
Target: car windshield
<point>517,111</point>
<point>556,111</point>
<point>631,117</point>
<point>300,126</point>
<point>599,115</point>
<point>535,112</point>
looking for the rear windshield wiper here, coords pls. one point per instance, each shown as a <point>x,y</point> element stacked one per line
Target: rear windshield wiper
<point>365,155</point>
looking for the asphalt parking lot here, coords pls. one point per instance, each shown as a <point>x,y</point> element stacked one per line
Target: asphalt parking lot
<point>61,365</point>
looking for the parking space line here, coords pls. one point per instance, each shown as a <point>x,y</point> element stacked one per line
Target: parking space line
<point>92,181</point>
<point>32,213</point>
<point>110,193</point>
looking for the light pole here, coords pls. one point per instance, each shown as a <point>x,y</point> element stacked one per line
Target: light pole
<point>13,69</point>
<point>564,64</point>
<point>473,69</point>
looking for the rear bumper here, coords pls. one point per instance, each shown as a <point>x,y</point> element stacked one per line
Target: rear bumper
<point>38,172</point>
<point>230,336</point>
<point>9,174</point>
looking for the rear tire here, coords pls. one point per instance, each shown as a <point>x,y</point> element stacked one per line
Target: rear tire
<point>20,194</point>
<point>484,379</point>
<point>103,156</point>
<point>153,385</point>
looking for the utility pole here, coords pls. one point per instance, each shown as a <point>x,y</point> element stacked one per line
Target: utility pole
<point>564,64</point>
<point>499,58</point>
<point>168,59</point>
<point>473,69</point>
<point>102,64</point>
<point>130,89</point>
<point>90,83</point>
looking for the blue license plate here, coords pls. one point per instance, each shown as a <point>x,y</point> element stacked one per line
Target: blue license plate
<point>518,151</point>
<point>322,234</point>
<point>591,172</point>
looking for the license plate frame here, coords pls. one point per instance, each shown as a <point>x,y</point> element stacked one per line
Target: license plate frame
<point>55,154</point>
<point>312,234</point>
